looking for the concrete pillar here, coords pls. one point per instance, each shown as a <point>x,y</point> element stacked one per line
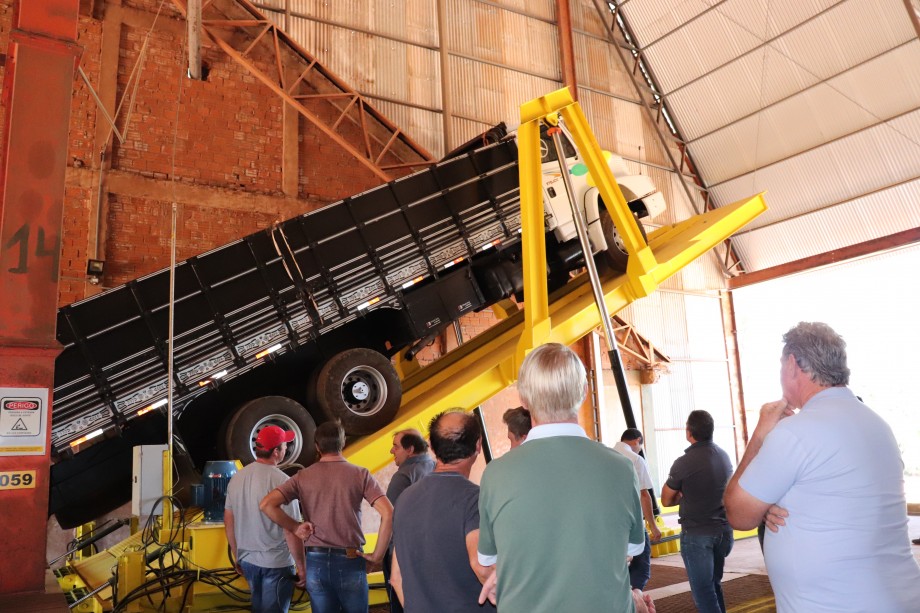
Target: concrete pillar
<point>37,90</point>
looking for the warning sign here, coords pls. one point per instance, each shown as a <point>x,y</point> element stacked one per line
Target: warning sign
<point>22,420</point>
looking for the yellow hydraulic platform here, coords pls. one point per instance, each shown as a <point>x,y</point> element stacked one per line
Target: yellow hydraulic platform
<point>486,365</point>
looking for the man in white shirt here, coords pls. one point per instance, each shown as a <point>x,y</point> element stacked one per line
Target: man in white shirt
<point>830,475</point>
<point>640,568</point>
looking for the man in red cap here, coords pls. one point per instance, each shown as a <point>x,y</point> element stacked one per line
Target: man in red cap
<point>261,549</point>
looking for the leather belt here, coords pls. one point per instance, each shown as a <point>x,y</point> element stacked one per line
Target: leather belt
<point>338,550</point>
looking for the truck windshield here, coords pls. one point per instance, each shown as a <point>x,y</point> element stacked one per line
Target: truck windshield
<point>548,151</point>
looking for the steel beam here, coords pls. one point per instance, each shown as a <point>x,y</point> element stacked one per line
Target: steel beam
<point>653,119</point>
<point>37,89</point>
<point>876,245</point>
<point>913,11</point>
<point>566,47</point>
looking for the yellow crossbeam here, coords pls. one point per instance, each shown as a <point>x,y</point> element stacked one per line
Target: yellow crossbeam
<point>483,367</point>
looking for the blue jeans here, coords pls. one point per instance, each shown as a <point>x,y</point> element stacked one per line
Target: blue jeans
<point>704,559</point>
<point>271,588</point>
<point>395,605</point>
<point>336,583</point>
<point>640,569</point>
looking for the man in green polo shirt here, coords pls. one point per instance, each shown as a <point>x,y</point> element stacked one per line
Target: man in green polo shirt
<point>560,514</point>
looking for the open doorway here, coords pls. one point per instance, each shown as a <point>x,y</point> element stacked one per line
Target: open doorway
<point>873,303</point>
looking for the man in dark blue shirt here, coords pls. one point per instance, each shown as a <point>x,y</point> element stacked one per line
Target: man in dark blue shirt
<point>697,481</point>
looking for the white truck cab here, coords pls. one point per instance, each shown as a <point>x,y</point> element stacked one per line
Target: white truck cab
<point>644,200</point>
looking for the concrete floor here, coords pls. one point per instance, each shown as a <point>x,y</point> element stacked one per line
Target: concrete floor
<point>745,559</point>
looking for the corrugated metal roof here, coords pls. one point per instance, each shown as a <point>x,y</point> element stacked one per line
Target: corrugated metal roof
<point>815,102</point>
<point>847,168</point>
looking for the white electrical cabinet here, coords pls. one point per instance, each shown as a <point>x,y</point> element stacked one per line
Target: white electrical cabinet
<point>147,483</point>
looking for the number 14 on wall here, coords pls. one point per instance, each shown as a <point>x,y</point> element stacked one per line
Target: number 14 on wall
<point>21,236</point>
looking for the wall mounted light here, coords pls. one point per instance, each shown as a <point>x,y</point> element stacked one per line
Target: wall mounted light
<point>95,270</point>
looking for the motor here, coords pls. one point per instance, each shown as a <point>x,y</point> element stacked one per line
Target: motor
<point>211,493</point>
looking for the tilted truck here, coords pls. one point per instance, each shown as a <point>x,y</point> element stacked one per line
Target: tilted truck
<point>298,324</point>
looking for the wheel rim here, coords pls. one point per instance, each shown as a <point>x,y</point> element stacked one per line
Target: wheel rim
<point>618,243</point>
<point>285,423</point>
<point>364,391</point>
<point>613,238</point>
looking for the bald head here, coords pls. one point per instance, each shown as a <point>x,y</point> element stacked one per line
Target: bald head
<point>454,436</point>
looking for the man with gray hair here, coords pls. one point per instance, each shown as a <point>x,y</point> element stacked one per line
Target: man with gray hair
<point>829,481</point>
<point>559,515</point>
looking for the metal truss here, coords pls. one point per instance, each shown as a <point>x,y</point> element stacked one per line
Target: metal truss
<point>239,29</point>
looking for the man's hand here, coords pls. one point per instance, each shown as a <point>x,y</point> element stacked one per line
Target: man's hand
<point>655,531</point>
<point>771,414</point>
<point>236,562</point>
<point>776,517</point>
<point>373,558</point>
<point>301,579</point>
<point>490,589</point>
<point>643,602</point>
<point>304,530</point>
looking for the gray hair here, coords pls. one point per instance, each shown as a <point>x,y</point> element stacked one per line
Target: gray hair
<point>552,383</point>
<point>818,351</point>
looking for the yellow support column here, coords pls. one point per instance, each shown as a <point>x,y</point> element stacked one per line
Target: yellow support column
<point>537,323</point>
<point>641,259</point>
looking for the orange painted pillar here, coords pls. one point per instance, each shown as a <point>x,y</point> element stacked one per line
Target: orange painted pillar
<point>37,90</point>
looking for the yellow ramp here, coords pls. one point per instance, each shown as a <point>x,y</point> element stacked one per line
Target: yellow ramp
<point>481,368</point>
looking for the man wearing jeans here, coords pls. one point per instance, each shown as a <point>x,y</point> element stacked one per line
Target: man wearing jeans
<point>261,549</point>
<point>330,493</point>
<point>697,481</point>
<point>640,568</point>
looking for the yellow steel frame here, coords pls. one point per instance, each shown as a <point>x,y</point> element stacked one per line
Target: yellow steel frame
<point>481,368</point>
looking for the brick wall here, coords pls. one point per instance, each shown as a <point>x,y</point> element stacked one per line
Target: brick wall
<point>218,138</point>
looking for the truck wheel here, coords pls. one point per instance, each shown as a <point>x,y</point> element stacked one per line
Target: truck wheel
<point>240,431</point>
<point>616,253</point>
<point>360,388</point>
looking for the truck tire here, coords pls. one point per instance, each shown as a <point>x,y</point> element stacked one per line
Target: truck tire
<point>360,388</point>
<point>240,431</point>
<point>616,254</point>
